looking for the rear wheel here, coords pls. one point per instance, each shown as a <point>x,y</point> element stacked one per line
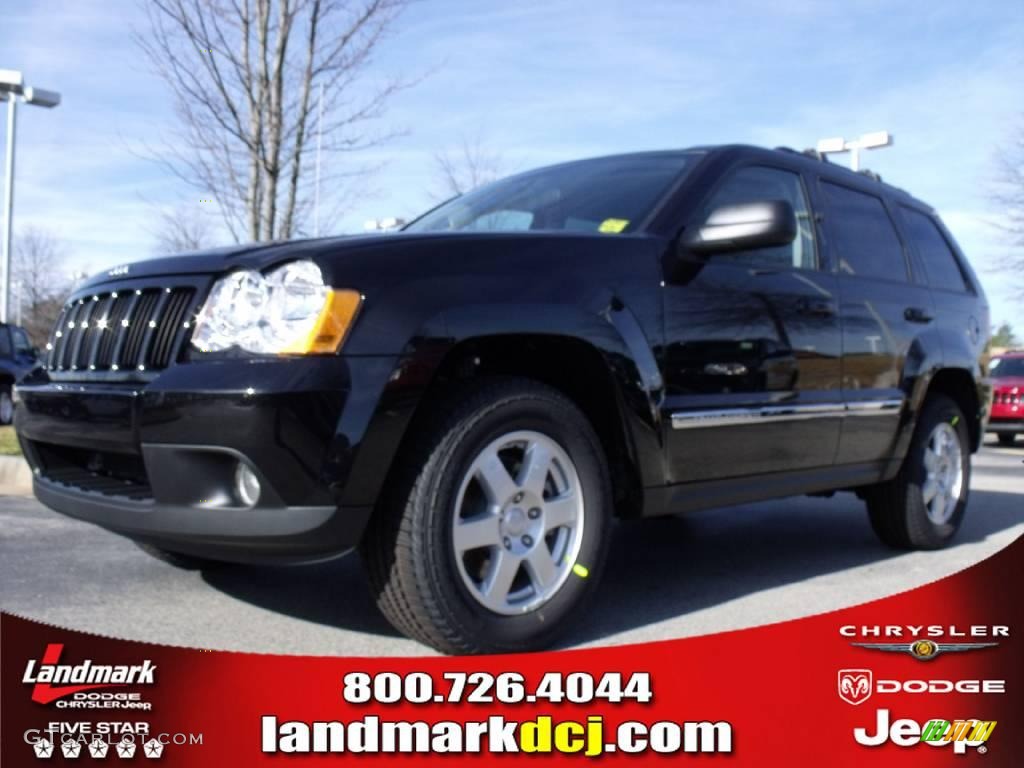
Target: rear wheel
<point>923,506</point>
<point>1006,438</point>
<point>495,532</point>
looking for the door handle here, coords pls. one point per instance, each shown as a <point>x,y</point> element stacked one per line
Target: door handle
<point>918,315</point>
<point>816,307</point>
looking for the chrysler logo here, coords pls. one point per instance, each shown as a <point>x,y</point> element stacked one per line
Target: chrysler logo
<point>924,650</point>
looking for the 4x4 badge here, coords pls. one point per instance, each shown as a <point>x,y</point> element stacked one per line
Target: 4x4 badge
<point>924,650</point>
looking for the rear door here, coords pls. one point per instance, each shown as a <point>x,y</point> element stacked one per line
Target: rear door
<point>751,357</point>
<point>883,311</point>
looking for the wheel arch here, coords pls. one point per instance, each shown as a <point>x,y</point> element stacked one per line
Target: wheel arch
<point>961,386</point>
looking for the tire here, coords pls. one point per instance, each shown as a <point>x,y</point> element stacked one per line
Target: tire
<point>903,511</point>
<point>429,575</point>
<point>178,559</point>
<point>6,405</point>
<point>1006,439</point>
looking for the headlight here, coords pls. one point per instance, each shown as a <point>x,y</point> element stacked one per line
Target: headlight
<point>287,311</point>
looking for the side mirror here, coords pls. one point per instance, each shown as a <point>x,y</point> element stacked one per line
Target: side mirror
<point>742,227</point>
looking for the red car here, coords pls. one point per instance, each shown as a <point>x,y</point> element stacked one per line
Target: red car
<point>1007,419</point>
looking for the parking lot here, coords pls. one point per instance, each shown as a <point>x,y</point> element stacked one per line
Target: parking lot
<point>666,578</point>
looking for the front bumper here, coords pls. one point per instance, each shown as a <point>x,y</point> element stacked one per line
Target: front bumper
<point>1006,426</point>
<point>157,461</point>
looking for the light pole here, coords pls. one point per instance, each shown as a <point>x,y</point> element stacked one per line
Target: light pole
<point>12,85</point>
<point>866,141</point>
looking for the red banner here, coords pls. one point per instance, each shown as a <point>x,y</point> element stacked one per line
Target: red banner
<point>933,676</point>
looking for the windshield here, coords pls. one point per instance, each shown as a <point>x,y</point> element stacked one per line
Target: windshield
<point>1008,366</point>
<point>610,195</point>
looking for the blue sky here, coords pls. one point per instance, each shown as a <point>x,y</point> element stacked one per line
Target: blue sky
<point>546,81</point>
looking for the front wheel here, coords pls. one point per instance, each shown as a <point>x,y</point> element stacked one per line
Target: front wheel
<point>6,405</point>
<point>494,532</point>
<point>1006,438</point>
<point>923,506</point>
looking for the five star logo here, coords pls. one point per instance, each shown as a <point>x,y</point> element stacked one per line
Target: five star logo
<point>43,749</point>
<point>126,749</point>
<point>71,749</point>
<point>98,748</point>
<point>153,748</point>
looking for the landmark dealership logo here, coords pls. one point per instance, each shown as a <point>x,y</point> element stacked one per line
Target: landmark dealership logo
<point>52,680</point>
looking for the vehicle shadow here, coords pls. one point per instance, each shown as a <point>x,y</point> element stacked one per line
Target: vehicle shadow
<point>657,569</point>
<point>681,565</point>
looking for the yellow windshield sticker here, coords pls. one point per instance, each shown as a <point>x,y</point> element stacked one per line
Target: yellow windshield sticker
<point>614,226</point>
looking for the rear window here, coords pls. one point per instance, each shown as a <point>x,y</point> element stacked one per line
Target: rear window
<point>940,262</point>
<point>863,236</point>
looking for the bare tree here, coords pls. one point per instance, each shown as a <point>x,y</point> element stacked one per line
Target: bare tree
<point>468,167</point>
<point>181,230</point>
<point>39,271</point>
<point>1008,195</point>
<point>246,75</point>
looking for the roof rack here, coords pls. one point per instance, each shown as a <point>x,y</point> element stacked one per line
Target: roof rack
<point>870,174</point>
<point>812,153</point>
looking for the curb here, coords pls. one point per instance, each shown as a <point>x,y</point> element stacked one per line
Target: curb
<point>15,475</point>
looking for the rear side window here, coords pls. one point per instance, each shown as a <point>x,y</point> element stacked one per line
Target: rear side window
<point>21,343</point>
<point>863,236</point>
<point>940,263</point>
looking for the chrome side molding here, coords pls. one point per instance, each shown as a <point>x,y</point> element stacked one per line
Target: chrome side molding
<point>732,417</point>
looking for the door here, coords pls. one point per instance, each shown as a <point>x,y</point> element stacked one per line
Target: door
<point>751,356</point>
<point>883,310</point>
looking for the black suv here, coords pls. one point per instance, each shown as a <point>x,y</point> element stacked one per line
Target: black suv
<point>471,401</point>
<point>17,358</point>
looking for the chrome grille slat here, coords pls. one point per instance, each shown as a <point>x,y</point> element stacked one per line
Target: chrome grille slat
<point>122,333</point>
<point>94,333</point>
<point>69,323</point>
<point>129,312</point>
<point>156,316</point>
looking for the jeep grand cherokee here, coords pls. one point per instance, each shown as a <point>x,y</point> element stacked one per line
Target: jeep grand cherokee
<point>471,401</point>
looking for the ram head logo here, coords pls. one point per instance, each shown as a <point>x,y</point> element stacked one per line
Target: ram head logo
<point>855,685</point>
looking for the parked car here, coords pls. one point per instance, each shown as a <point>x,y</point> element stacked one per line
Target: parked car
<point>471,401</point>
<point>17,358</point>
<point>1007,420</point>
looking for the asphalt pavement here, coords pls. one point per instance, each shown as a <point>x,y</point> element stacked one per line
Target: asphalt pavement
<point>666,578</point>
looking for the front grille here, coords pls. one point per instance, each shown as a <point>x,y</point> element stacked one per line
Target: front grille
<point>1007,398</point>
<point>121,333</point>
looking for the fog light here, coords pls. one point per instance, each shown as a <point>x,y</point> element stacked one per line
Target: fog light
<point>247,485</point>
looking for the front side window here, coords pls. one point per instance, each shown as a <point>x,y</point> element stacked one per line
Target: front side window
<point>940,263</point>
<point>5,342</point>
<point>758,184</point>
<point>610,195</point>
<point>863,236</point>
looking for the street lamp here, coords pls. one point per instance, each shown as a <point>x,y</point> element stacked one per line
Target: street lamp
<point>12,86</point>
<point>866,141</point>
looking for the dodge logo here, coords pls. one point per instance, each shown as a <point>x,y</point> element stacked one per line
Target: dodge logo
<point>855,685</point>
